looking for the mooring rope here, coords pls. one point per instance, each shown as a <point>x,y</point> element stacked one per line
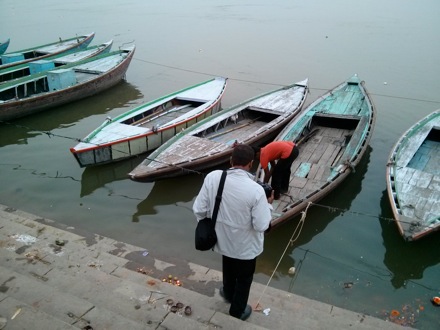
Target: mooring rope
<point>292,239</point>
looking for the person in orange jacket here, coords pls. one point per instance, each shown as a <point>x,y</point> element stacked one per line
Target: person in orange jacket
<point>280,155</point>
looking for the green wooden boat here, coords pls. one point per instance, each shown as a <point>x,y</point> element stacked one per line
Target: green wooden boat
<point>52,62</point>
<point>43,51</point>
<point>413,179</point>
<point>332,135</point>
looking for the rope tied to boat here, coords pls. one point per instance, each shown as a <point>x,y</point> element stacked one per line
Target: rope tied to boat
<point>295,235</point>
<point>349,164</point>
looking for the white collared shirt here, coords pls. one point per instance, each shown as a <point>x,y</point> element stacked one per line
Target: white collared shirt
<point>243,216</point>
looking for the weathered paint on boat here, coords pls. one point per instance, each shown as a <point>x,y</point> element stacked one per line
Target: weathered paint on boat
<point>40,91</point>
<point>413,179</point>
<point>44,51</point>
<point>4,45</point>
<point>210,142</point>
<point>52,62</point>
<point>148,126</point>
<point>332,135</point>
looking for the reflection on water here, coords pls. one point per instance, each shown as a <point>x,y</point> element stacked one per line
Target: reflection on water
<point>317,220</point>
<point>168,192</point>
<point>19,131</point>
<point>96,177</point>
<point>405,260</point>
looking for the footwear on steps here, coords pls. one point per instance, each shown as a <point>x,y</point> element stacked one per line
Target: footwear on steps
<point>247,312</point>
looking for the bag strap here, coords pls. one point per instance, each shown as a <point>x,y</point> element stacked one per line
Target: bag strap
<point>218,198</point>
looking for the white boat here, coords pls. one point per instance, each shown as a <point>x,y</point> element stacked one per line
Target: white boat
<point>210,142</point>
<point>148,126</point>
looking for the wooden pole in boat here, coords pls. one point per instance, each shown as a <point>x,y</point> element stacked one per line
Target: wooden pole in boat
<point>307,136</point>
<point>234,128</point>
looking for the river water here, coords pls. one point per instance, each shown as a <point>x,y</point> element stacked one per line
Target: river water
<point>349,252</point>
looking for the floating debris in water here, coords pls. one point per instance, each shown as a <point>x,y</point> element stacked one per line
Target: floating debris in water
<point>435,301</point>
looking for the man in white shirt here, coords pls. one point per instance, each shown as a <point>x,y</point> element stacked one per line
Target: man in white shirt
<point>244,214</point>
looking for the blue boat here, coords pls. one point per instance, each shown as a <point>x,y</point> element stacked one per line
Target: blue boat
<point>3,46</point>
<point>43,51</point>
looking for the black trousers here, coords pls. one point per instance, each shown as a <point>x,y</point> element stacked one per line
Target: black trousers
<point>281,172</point>
<point>237,279</point>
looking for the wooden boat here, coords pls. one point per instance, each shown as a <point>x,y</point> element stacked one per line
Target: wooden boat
<point>40,52</point>
<point>47,89</point>
<point>210,142</point>
<point>4,45</point>
<point>332,135</point>
<point>413,179</point>
<point>148,126</point>
<point>49,63</point>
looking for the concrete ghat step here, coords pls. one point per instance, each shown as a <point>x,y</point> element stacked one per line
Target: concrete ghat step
<point>143,303</point>
<point>94,257</point>
<point>63,306</point>
<point>19,315</point>
<point>88,285</point>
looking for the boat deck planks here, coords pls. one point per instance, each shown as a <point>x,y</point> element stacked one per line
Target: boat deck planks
<point>239,131</point>
<point>186,147</point>
<point>312,166</point>
<point>164,117</point>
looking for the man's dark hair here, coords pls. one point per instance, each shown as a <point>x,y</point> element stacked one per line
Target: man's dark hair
<point>242,155</point>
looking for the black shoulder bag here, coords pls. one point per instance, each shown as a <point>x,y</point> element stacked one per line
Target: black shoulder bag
<point>206,237</point>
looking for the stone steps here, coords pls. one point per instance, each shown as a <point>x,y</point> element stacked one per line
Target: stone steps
<point>78,279</point>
